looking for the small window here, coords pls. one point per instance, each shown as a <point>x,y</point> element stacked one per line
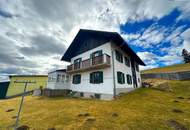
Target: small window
<point>49,79</point>
<point>63,78</point>
<point>58,78</point>
<point>67,78</point>
<point>77,79</point>
<point>96,77</point>
<point>137,67</point>
<point>129,79</point>
<point>120,78</point>
<point>139,80</point>
<point>81,94</point>
<point>127,61</point>
<point>119,56</point>
<point>97,96</point>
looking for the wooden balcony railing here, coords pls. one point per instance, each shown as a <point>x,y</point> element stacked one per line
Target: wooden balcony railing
<point>98,61</point>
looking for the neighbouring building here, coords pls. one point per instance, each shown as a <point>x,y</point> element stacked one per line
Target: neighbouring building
<point>58,79</point>
<point>3,89</point>
<point>18,88</point>
<point>102,65</point>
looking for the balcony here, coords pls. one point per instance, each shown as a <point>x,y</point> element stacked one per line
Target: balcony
<point>97,62</point>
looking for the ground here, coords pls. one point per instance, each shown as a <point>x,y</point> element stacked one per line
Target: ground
<point>142,109</point>
<point>172,68</point>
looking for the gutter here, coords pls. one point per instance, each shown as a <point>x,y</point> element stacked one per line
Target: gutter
<point>114,85</point>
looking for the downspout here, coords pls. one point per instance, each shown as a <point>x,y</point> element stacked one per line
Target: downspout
<point>114,85</point>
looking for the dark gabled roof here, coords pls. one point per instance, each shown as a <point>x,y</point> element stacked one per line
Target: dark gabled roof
<point>88,39</point>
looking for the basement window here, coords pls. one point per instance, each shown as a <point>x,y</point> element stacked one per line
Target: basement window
<point>97,96</point>
<point>77,79</point>
<point>120,77</point>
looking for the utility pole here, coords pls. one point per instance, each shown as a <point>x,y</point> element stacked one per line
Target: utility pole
<point>22,100</point>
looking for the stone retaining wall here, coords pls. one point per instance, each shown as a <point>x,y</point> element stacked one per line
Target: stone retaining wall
<point>169,76</point>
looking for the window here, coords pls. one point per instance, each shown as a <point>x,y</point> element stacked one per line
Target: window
<point>63,78</point>
<point>97,53</point>
<point>129,79</point>
<point>58,78</point>
<point>119,56</point>
<point>137,67</point>
<point>97,96</point>
<point>77,79</point>
<point>139,80</point>
<point>127,61</point>
<point>120,78</point>
<point>81,94</point>
<point>96,57</point>
<point>67,78</point>
<point>96,77</point>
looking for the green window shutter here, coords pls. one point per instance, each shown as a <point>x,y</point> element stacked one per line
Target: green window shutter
<point>91,77</point>
<point>101,77</point>
<point>123,78</point>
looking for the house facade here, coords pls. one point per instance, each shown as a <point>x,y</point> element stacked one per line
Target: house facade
<point>102,65</point>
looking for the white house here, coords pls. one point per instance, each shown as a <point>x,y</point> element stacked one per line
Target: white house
<point>58,79</point>
<point>102,65</point>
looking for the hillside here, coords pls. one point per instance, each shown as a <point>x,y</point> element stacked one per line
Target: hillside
<point>172,68</point>
<point>144,108</point>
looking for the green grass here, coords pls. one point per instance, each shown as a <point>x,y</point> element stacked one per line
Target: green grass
<point>142,109</point>
<point>172,68</point>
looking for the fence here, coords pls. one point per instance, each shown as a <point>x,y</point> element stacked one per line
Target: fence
<point>184,75</point>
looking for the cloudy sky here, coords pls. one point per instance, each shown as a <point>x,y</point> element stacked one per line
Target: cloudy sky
<point>34,34</point>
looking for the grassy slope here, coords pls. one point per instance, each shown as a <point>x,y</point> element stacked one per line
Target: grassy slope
<point>142,109</point>
<point>172,68</point>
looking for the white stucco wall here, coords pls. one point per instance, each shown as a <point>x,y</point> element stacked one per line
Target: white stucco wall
<point>63,84</point>
<point>85,86</point>
<point>121,67</point>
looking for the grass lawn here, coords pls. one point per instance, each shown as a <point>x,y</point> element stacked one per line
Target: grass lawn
<point>172,68</point>
<point>142,109</point>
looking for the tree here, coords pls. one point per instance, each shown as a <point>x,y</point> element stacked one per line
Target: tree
<point>186,56</point>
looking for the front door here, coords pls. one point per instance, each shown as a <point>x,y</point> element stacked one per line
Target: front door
<point>134,74</point>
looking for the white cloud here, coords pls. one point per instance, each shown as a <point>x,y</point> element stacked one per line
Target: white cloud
<point>186,36</point>
<point>61,20</point>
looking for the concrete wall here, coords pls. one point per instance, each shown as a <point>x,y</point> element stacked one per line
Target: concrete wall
<point>169,76</point>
